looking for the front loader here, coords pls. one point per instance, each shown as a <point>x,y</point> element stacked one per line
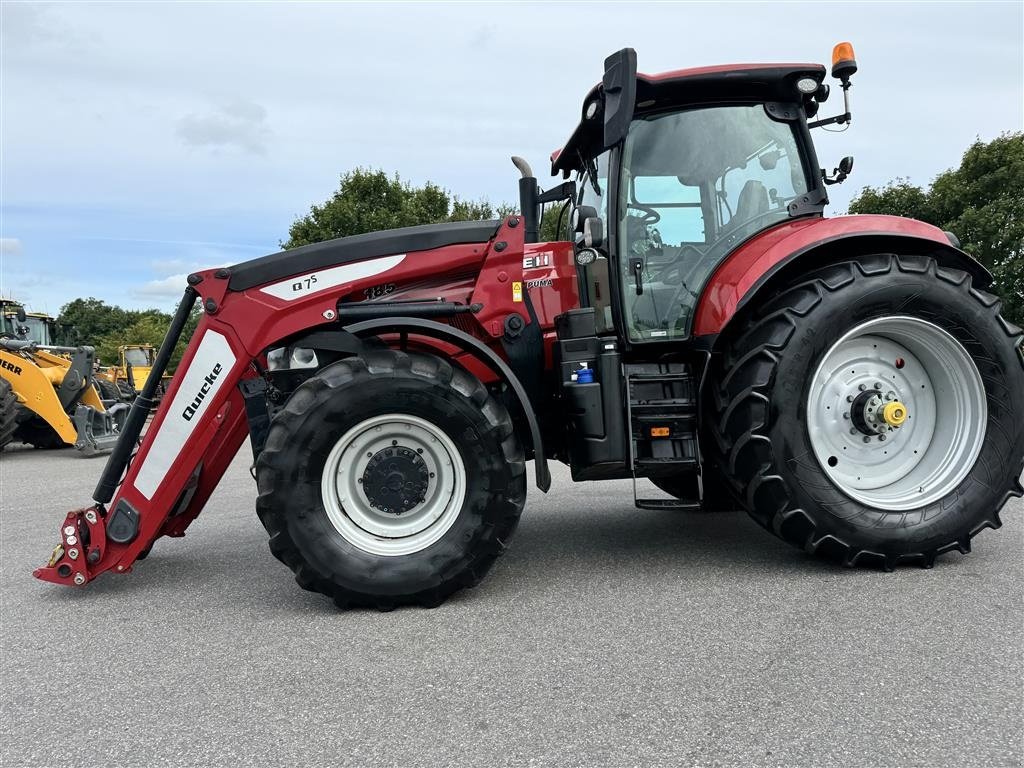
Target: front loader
<point>848,381</point>
<point>49,397</point>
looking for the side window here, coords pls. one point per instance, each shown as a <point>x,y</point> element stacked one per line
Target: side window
<point>771,177</point>
<point>596,290</point>
<point>675,205</point>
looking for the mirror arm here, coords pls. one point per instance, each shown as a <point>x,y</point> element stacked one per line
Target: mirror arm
<point>566,191</point>
<point>843,118</point>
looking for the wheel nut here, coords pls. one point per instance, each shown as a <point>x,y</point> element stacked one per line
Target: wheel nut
<point>881,438</point>
<point>853,431</point>
<point>846,415</point>
<point>878,385</point>
<point>849,398</point>
<point>862,387</point>
<point>867,439</point>
<point>79,579</point>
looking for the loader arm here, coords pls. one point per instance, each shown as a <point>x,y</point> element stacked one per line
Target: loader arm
<point>155,484</point>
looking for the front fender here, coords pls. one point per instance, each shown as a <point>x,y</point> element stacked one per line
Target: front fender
<point>807,243</point>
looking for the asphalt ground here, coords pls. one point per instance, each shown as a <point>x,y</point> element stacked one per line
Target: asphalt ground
<point>606,636</point>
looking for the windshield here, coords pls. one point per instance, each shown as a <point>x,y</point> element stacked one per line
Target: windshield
<point>694,185</point>
<point>136,357</point>
<point>38,330</point>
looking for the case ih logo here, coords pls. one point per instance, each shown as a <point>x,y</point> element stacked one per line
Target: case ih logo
<point>190,410</point>
<point>537,260</point>
<point>15,369</point>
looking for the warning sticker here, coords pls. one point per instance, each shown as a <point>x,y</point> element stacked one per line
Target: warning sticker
<point>517,291</point>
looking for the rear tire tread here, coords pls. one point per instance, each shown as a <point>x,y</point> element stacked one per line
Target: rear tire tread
<point>742,386</point>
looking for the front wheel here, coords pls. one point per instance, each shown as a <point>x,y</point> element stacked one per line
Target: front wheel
<point>390,478</point>
<point>874,411</point>
<point>8,413</point>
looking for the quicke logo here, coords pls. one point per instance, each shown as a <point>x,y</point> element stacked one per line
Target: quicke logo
<point>208,380</point>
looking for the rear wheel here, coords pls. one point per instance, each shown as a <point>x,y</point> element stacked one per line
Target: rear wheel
<point>8,413</point>
<point>874,411</point>
<point>390,479</point>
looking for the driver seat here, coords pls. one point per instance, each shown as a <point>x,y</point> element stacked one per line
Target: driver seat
<point>753,201</point>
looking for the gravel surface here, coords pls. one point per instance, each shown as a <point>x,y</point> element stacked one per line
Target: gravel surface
<point>606,636</point>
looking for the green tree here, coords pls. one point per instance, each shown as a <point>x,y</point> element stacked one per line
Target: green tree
<point>554,223</point>
<point>92,318</point>
<point>108,327</point>
<point>369,200</point>
<point>981,202</point>
<point>149,329</point>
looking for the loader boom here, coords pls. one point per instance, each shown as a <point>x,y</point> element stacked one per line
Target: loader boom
<point>156,486</point>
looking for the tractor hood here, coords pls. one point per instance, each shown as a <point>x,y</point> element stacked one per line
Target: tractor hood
<point>344,250</point>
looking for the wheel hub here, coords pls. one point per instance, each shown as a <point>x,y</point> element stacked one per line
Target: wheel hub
<point>874,414</point>
<point>393,484</point>
<point>395,480</point>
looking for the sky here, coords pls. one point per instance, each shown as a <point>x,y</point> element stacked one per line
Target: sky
<point>141,141</point>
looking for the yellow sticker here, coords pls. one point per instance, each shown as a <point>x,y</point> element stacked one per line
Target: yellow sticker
<point>517,291</point>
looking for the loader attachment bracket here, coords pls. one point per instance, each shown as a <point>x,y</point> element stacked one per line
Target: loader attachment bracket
<point>83,542</point>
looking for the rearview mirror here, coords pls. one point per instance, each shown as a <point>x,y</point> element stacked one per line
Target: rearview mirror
<point>593,232</point>
<point>20,314</point>
<point>619,85</point>
<point>580,214</point>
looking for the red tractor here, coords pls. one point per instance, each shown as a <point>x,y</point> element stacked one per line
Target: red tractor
<point>847,380</point>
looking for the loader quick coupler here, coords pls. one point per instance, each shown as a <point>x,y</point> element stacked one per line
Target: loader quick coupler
<point>83,541</point>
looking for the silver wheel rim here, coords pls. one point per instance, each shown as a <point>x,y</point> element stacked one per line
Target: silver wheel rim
<point>388,533</point>
<point>908,361</point>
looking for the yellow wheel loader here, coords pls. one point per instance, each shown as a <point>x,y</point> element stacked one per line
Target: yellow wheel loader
<point>49,398</point>
<point>130,375</point>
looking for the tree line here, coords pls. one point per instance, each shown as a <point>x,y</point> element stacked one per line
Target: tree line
<point>981,201</point>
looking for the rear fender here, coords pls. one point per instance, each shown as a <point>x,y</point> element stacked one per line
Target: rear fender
<point>768,260</point>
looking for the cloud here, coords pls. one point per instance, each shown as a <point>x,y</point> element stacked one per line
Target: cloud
<point>172,286</point>
<point>240,125</point>
<point>10,246</point>
<point>171,266</point>
<point>165,288</point>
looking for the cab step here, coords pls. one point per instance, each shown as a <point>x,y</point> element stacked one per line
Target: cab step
<point>662,416</point>
<point>674,504</point>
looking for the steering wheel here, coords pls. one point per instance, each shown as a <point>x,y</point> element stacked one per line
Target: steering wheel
<point>650,217</point>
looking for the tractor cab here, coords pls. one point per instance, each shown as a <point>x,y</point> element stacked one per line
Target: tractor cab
<point>674,172</point>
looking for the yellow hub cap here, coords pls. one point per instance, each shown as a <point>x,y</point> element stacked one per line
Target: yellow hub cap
<point>894,413</point>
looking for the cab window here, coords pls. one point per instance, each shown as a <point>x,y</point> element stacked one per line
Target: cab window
<point>596,285</point>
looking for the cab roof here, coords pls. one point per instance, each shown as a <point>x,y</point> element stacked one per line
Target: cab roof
<point>683,87</point>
